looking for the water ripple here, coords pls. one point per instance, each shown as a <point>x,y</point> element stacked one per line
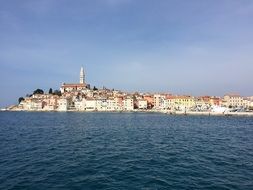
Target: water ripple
<point>124,151</point>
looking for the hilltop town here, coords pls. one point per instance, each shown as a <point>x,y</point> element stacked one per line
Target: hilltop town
<point>81,97</point>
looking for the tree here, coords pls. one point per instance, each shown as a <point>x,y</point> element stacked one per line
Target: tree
<point>50,91</point>
<point>94,88</point>
<point>38,91</point>
<point>57,92</point>
<point>20,99</point>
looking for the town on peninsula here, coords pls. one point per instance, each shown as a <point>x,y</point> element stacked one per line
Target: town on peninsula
<point>82,97</point>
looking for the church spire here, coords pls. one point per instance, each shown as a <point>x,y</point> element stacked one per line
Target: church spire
<point>82,80</point>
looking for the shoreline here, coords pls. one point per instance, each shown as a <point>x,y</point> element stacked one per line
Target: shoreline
<point>206,113</point>
<point>187,113</point>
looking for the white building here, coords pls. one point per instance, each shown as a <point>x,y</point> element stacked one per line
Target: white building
<point>246,103</point>
<point>80,105</point>
<point>128,104</point>
<point>111,104</point>
<point>142,104</point>
<point>159,101</point>
<point>91,104</point>
<point>26,104</point>
<point>101,104</point>
<point>50,103</point>
<point>36,105</point>
<point>64,103</point>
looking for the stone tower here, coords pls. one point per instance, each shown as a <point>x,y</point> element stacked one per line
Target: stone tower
<point>82,79</point>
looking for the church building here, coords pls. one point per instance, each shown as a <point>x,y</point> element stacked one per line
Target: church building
<point>75,86</point>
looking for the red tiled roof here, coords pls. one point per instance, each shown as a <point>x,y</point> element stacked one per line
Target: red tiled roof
<point>73,85</point>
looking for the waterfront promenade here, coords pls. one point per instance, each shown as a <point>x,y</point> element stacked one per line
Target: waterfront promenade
<point>192,113</point>
<point>206,113</point>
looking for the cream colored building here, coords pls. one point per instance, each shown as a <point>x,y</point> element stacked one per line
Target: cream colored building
<point>111,104</point>
<point>101,104</point>
<point>233,100</point>
<point>246,103</point>
<point>50,103</point>
<point>159,101</point>
<point>142,104</point>
<point>128,104</point>
<point>91,104</point>
<point>64,103</point>
<point>80,105</point>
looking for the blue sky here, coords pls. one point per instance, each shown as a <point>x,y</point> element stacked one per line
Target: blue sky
<point>191,47</point>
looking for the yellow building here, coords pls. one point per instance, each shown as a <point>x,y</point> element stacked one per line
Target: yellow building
<point>184,101</point>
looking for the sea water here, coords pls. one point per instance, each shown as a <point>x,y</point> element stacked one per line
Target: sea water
<point>124,151</point>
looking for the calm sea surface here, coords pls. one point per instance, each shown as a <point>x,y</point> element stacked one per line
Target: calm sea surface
<point>124,151</point>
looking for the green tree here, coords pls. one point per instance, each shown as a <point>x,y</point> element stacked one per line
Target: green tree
<point>38,91</point>
<point>20,99</point>
<point>50,91</point>
<point>57,92</point>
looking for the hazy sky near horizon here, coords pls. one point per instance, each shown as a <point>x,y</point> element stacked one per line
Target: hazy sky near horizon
<point>191,47</point>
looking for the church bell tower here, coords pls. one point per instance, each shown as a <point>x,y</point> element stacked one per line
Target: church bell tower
<point>82,80</point>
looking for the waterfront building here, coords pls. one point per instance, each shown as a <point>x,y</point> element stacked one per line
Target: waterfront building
<point>64,103</point>
<point>246,103</point>
<point>101,104</point>
<point>36,104</point>
<point>184,102</point>
<point>80,104</point>
<point>91,104</point>
<point>119,102</point>
<point>25,104</point>
<point>128,104</point>
<point>215,101</point>
<point>233,100</point>
<point>142,104</point>
<point>111,104</point>
<point>150,100</point>
<point>159,101</point>
<point>50,103</point>
<point>170,102</point>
